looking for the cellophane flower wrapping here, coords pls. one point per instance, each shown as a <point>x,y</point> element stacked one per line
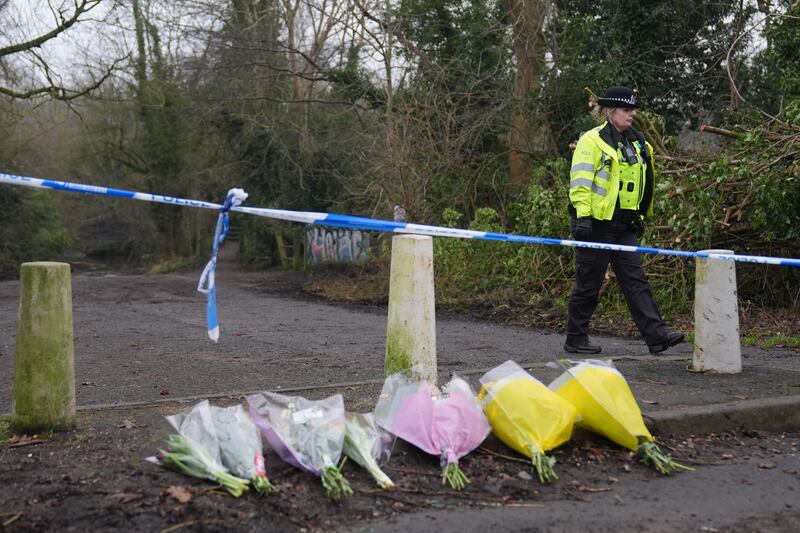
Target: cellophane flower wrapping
<point>240,446</point>
<point>526,415</point>
<point>195,449</point>
<point>369,445</point>
<point>448,425</point>
<point>308,434</point>
<point>607,407</point>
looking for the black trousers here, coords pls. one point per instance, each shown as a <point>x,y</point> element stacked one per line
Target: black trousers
<point>590,268</point>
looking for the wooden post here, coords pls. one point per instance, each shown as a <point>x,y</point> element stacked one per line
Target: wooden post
<point>282,250</point>
<point>44,360</point>
<point>411,326</point>
<point>717,347</point>
<point>297,249</point>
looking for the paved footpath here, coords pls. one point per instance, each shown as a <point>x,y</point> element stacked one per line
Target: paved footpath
<point>141,339</point>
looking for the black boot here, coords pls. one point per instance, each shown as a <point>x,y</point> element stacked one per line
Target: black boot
<point>583,347</point>
<point>672,338</point>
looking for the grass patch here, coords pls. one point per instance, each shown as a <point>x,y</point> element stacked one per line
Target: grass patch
<point>5,429</point>
<point>173,265</point>
<point>772,341</point>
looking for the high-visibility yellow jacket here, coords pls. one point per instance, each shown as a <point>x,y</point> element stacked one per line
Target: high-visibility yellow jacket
<point>595,177</point>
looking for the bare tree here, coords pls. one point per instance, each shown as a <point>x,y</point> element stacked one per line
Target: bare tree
<point>309,27</point>
<point>46,80</point>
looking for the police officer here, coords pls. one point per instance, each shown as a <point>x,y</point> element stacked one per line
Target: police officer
<point>611,191</point>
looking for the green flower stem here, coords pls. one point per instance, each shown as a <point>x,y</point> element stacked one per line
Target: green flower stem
<point>192,459</point>
<point>453,475</point>
<point>236,486</point>
<point>650,454</point>
<point>356,448</point>
<point>335,484</point>
<point>543,465</point>
<point>262,485</point>
<point>381,478</point>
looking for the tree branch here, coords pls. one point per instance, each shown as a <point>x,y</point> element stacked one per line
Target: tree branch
<point>84,7</point>
<point>58,92</point>
<point>720,131</point>
<point>426,64</point>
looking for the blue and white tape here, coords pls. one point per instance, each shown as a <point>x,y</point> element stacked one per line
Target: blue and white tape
<point>354,222</point>
<point>208,279</point>
<point>371,224</point>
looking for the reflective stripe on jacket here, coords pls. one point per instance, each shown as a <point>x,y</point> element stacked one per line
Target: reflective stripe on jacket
<point>594,177</point>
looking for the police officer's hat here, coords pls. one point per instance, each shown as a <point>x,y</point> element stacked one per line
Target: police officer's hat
<point>618,96</point>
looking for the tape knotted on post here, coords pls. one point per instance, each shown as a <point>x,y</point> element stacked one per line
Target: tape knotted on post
<point>207,283</point>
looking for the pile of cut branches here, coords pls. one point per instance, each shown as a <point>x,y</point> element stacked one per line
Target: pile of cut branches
<point>744,198</point>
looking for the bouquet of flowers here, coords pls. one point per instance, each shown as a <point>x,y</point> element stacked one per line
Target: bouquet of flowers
<point>448,425</point>
<point>368,445</point>
<point>306,434</point>
<point>526,415</point>
<point>194,450</point>
<point>606,406</point>
<point>240,446</point>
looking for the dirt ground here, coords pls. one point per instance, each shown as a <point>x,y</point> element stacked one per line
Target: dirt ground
<point>141,353</point>
<point>94,478</point>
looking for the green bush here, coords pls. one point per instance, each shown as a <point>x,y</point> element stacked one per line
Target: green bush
<point>257,244</point>
<point>471,270</point>
<point>30,229</point>
<point>690,209</point>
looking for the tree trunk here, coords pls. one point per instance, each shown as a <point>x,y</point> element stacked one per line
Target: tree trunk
<point>141,59</point>
<point>527,22</point>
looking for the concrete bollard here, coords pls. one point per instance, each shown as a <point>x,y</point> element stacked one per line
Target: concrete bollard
<point>44,360</point>
<point>717,347</point>
<point>411,326</point>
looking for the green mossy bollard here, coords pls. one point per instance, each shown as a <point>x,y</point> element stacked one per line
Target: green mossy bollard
<point>44,360</point>
<point>411,324</point>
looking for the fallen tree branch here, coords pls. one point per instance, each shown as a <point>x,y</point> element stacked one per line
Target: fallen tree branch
<point>680,160</point>
<point>720,131</point>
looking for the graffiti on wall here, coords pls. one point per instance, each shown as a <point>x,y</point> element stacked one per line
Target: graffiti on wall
<point>337,245</point>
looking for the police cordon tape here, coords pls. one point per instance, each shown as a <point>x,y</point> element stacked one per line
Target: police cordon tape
<point>371,224</point>
<point>354,222</point>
